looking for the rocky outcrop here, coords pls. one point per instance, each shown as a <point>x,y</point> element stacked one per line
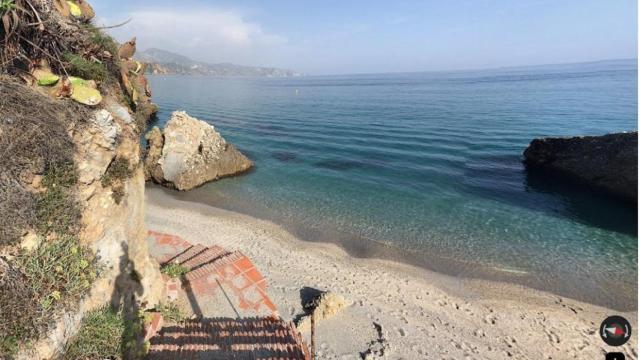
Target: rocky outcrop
<point>190,153</point>
<point>324,306</point>
<point>608,163</point>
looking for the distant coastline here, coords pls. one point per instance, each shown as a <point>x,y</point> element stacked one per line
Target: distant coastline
<point>162,62</point>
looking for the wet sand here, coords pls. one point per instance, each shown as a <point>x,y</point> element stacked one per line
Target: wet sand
<point>422,314</point>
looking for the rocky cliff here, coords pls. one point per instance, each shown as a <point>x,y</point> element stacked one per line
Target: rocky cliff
<point>72,236</point>
<point>606,163</point>
<point>189,152</point>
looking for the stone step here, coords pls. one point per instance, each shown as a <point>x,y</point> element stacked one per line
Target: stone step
<point>188,254</point>
<point>228,338</point>
<point>207,256</point>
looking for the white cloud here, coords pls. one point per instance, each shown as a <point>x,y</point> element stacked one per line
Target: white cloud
<point>205,33</point>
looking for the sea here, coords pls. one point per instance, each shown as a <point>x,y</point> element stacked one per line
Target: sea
<point>426,168</point>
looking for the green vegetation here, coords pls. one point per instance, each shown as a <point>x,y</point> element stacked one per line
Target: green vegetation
<point>171,312</point>
<point>58,270</point>
<point>52,276</point>
<point>56,209</point>
<point>118,170</point>
<point>16,297</point>
<point>7,5</point>
<point>106,334</point>
<point>37,285</point>
<point>115,176</point>
<point>86,69</point>
<point>174,270</point>
<point>102,40</point>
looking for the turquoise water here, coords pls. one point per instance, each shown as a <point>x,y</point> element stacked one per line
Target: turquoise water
<point>426,168</point>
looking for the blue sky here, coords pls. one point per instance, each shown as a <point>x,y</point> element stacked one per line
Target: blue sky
<point>338,37</point>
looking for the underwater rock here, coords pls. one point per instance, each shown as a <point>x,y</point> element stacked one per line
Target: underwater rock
<point>608,163</point>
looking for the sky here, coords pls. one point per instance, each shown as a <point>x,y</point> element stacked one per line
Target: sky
<point>347,37</point>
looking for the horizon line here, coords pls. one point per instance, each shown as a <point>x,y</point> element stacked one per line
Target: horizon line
<point>506,67</point>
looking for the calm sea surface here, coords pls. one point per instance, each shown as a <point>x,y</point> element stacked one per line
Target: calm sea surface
<point>426,168</point>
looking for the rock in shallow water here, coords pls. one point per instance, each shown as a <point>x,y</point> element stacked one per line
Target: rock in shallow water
<point>190,153</point>
<point>608,162</point>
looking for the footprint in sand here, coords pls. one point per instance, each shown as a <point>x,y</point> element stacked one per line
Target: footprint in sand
<point>490,319</point>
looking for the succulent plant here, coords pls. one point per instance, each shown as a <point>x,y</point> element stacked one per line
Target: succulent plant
<point>45,77</point>
<point>74,9</point>
<point>86,95</point>
<point>76,81</point>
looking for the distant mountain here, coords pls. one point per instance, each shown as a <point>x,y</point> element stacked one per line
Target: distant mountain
<point>166,62</point>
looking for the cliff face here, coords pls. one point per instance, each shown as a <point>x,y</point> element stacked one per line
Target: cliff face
<point>114,231</point>
<point>72,238</point>
<point>607,163</point>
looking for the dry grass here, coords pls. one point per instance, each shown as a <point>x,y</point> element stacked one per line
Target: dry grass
<point>33,141</point>
<point>33,31</point>
<point>16,297</point>
<point>117,173</point>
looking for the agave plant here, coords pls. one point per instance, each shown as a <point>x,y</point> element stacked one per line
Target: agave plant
<point>19,17</point>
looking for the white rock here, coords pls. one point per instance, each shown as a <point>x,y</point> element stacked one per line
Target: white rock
<point>190,153</point>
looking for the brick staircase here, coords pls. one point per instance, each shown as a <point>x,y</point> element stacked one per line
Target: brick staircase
<point>218,279</point>
<point>224,338</point>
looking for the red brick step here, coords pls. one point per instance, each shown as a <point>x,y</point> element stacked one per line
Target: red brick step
<point>211,254</point>
<point>187,254</point>
<point>227,338</point>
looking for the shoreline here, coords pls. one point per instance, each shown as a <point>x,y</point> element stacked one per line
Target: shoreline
<point>359,247</point>
<point>422,313</point>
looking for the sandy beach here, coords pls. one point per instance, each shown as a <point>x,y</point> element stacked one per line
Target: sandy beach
<point>415,313</point>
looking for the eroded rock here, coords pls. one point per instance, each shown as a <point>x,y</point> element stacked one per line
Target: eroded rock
<point>190,153</point>
<point>608,163</point>
<point>325,306</point>
<point>96,146</point>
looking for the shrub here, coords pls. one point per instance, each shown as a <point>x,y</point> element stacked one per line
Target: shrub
<point>83,68</point>
<point>56,208</point>
<point>107,334</point>
<point>115,176</point>
<point>174,270</point>
<point>58,270</point>
<point>102,40</point>
<point>34,133</point>
<point>16,297</point>
<point>99,336</point>
<point>171,312</point>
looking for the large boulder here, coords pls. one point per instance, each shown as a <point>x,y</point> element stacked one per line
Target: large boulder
<point>190,153</point>
<point>608,163</point>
